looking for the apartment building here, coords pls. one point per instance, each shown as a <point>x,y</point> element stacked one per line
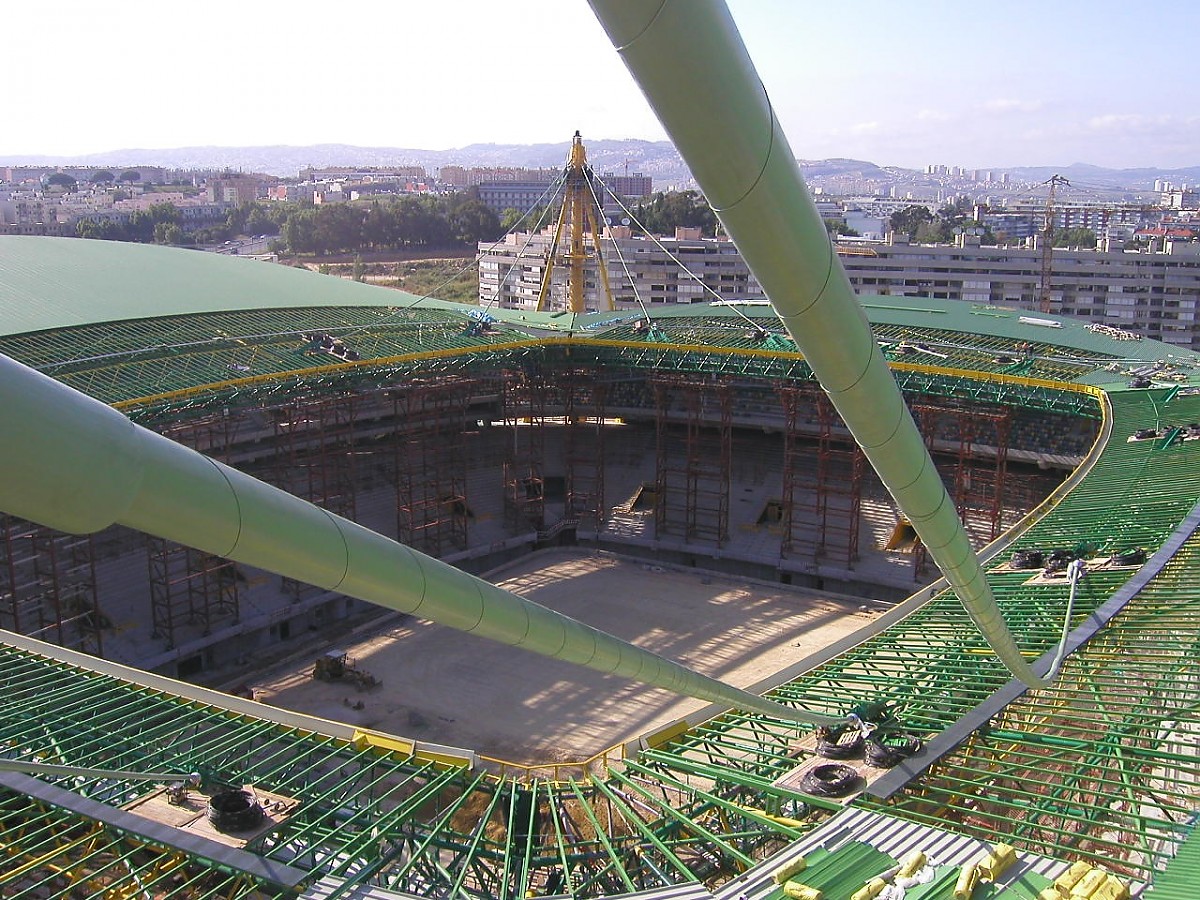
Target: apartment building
<point>1154,293</point>
<point>640,270</point>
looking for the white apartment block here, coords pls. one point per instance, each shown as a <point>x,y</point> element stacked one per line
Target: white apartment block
<point>639,271</point>
<point>1156,294</point>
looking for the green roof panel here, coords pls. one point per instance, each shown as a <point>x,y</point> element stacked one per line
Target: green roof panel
<point>61,282</point>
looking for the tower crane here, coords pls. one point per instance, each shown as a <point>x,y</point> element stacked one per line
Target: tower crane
<point>1047,304</point>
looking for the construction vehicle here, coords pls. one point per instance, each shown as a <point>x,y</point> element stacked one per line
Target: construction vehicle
<point>336,665</point>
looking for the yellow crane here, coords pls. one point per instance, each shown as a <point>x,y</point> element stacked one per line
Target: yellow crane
<point>579,210</point>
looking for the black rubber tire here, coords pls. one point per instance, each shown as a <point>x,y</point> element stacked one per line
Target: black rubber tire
<point>234,811</point>
<point>886,754</point>
<point>1133,557</point>
<point>841,742</point>
<point>1027,559</point>
<point>829,780</point>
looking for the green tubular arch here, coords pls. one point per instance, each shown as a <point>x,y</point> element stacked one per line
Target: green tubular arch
<point>74,464</point>
<point>691,64</point>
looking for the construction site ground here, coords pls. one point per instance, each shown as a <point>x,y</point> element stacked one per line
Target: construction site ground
<point>441,685</point>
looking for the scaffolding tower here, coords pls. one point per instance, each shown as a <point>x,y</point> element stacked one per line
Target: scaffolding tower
<point>976,440</point>
<point>430,463</point>
<point>212,434</point>
<point>190,588</point>
<point>823,473</point>
<point>693,459</point>
<point>48,586</point>
<point>315,460</point>
<point>524,400</point>
<point>314,451</point>
<point>584,399</point>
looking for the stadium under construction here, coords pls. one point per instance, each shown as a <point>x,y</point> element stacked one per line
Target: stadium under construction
<point>704,437</point>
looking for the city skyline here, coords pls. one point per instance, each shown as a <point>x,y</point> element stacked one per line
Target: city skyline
<point>1032,86</point>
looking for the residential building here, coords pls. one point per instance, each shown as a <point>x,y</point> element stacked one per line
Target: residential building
<point>1154,294</point>
<point>511,273</point>
<point>234,189</point>
<point>501,195</point>
<point>365,175</point>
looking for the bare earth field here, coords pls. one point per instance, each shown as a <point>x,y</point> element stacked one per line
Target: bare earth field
<point>448,687</point>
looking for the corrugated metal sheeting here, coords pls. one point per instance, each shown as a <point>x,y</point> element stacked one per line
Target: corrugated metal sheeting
<point>843,838</point>
<point>1181,879</point>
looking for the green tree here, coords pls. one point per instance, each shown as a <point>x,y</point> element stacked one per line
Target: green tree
<point>259,221</point>
<point>359,270</point>
<point>168,233</point>
<point>1074,237</point>
<point>836,227</point>
<point>338,228</point>
<point>102,176</point>
<point>379,227</point>
<point>472,221</point>
<point>934,232</point>
<point>299,229</point>
<point>512,216</point>
<point>129,176</point>
<point>909,219</point>
<point>63,180</point>
<point>101,230</point>
<point>667,211</point>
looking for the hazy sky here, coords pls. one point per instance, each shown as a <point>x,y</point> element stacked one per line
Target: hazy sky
<point>1024,82</point>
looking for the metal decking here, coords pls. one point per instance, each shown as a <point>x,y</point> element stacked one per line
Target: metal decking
<point>1101,767</point>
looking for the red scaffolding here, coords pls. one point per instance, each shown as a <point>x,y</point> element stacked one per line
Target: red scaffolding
<point>190,588</point>
<point>693,460</point>
<point>432,514</point>
<point>822,479</point>
<point>524,398</point>
<point>975,441</point>
<point>48,586</point>
<point>584,400</point>
<point>314,451</point>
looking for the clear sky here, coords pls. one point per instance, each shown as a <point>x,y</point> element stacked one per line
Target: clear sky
<point>1025,82</point>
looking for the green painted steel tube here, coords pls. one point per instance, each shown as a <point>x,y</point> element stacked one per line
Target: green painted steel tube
<point>72,463</point>
<point>690,62</point>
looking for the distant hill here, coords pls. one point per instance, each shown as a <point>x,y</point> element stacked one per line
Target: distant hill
<point>1084,176</point>
<point>658,159</point>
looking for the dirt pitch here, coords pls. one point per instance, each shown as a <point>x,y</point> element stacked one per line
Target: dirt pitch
<point>441,685</point>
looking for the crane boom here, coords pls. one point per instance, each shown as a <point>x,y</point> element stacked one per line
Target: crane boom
<point>1046,303</point>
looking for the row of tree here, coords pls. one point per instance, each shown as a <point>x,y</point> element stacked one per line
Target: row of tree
<point>923,227</point>
<point>664,212</point>
<point>407,223</point>
<point>447,221</point>
<point>100,176</point>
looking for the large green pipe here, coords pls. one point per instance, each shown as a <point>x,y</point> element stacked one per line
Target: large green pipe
<point>71,463</point>
<point>690,62</point>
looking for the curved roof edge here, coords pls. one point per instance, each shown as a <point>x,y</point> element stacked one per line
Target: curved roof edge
<point>52,282</point>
